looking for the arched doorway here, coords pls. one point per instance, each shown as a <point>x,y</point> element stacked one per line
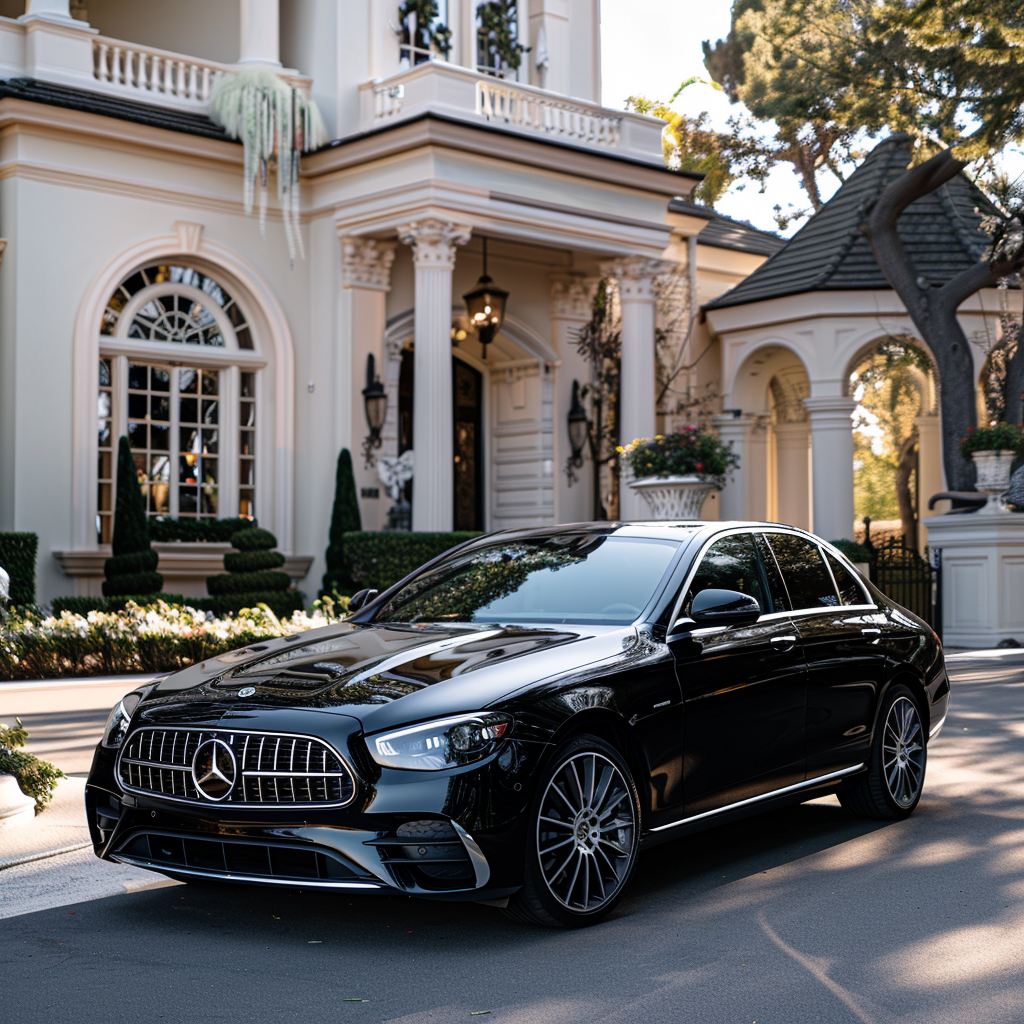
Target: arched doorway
<point>897,447</point>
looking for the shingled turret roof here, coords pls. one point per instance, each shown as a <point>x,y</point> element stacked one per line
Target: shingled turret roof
<point>941,233</point>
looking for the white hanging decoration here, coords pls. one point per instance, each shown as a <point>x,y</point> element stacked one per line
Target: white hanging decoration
<point>276,124</point>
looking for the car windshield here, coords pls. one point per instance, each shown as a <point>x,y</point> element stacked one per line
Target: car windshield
<point>585,578</point>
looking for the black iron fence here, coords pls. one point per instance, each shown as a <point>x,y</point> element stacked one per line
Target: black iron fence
<point>910,580</point>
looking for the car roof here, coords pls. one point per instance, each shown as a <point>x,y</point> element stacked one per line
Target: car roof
<point>677,530</point>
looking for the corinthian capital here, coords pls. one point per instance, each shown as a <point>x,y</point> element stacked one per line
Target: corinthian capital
<point>433,241</point>
<point>636,275</point>
<point>366,263</point>
<point>572,297</point>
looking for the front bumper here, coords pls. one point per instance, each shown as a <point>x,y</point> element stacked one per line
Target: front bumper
<point>457,835</point>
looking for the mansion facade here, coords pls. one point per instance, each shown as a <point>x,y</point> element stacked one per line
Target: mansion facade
<point>137,298</point>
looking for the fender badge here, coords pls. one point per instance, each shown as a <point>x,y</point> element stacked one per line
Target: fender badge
<point>246,691</point>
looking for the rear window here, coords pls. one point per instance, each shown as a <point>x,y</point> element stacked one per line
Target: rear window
<point>807,577</point>
<point>849,589</point>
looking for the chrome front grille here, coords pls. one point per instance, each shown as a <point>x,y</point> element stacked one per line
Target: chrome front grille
<point>270,769</point>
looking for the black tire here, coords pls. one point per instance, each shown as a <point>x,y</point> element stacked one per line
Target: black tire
<point>891,788</point>
<point>596,825</point>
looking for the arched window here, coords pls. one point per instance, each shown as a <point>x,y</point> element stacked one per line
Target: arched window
<point>179,376</point>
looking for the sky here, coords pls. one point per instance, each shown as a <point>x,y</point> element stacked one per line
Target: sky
<point>649,47</point>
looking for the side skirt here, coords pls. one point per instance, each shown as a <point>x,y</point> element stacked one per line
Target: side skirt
<point>797,793</point>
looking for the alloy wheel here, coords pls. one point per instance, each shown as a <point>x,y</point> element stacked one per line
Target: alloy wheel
<point>903,752</point>
<point>586,832</point>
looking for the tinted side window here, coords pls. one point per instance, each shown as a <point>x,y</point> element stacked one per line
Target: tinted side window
<point>780,600</point>
<point>849,590</point>
<point>806,575</point>
<point>729,564</point>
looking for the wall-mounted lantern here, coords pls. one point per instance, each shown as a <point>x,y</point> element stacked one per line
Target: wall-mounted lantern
<point>375,403</point>
<point>579,427</point>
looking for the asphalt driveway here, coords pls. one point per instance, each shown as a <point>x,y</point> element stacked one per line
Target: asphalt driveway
<point>805,915</point>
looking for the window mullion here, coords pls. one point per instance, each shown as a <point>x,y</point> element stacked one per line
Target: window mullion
<point>175,439</point>
<point>120,393</point>
<point>228,447</point>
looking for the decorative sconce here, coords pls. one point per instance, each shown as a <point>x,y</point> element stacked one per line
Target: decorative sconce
<point>375,402</point>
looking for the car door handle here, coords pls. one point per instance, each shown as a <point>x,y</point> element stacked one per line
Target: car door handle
<point>785,642</point>
<point>875,634</point>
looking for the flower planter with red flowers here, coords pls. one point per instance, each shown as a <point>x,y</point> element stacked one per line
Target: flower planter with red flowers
<point>676,472</point>
<point>994,450</point>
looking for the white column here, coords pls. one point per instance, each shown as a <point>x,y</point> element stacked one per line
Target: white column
<point>49,8</point>
<point>745,495</point>
<point>832,465</point>
<point>636,275</point>
<point>365,281</point>
<point>261,31</point>
<point>433,243</point>
<point>930,475</point>
<point>550,43</point>
<point>793,474</point>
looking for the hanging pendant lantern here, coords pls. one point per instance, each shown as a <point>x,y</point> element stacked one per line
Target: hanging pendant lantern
<point>485,305</point>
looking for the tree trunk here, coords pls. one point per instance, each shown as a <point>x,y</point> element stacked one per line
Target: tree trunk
<point>933,309</point>
<point>904,496</point>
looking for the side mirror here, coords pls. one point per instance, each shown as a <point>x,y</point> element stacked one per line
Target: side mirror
<point>724,608</point>
<point>361,599</point>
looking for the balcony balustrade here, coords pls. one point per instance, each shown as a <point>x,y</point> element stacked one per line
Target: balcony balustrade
<point>453,91</point>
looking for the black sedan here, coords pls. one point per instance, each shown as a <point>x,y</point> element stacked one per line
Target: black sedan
<point>514,721</point>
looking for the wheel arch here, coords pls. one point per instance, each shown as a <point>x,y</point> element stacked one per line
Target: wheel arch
<point>903,675</point>
<point>612,728</point>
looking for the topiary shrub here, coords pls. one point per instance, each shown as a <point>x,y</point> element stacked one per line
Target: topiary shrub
<point>379,559</point>
<point>854,552</point>
<point>252,577</point>
<point>189,529</point>
<point>345,518</point>
<point>18,557</point>
<point>132,569</point>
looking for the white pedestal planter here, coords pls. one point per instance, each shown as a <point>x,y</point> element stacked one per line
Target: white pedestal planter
<point>982,577</point>
<point>15,807</point>
<point>993,470</point>
<point>673,497</point>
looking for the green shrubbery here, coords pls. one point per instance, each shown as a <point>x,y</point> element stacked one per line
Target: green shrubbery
<point>345,519</point>
<point>854,552</point>
<point>191,530</point>
<point>379,559</point>
<point>37,779</point>
<point>160,638</point>
<point>18,557</point>
<point>132,567</point>
<point>252,577</point>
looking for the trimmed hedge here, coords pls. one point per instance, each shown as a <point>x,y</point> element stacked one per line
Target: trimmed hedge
<point>212,531</point>
<point>232,591</point>
<point>84,605</point>
<point>253,539</point>
<point>854,552</point>
<point>379,559</point>
<point>247,582</point>
<point>252,561</point>
<point>281,603</point>
<point>345,518</point>
<point>18,557</point>
<point>132,570</point>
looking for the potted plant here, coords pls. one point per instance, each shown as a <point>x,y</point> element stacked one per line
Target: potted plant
<point>993,450</point>
<point>676,472</point>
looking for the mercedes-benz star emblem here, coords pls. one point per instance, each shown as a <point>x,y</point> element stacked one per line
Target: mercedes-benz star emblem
<point>214,769</point>
<point>246,691</point>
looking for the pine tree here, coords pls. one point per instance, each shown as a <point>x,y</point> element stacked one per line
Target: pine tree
<point>132,569</point>
<point>345,518</point>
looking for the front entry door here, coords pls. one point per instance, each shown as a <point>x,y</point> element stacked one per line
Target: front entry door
<point>467,415</point>
<point>467,423</point>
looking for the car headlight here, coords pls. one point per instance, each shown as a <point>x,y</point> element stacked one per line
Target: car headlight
<point>119,719</point>
<point>446,743</point>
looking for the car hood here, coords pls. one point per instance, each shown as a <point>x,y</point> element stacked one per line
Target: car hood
<point>382,674</point>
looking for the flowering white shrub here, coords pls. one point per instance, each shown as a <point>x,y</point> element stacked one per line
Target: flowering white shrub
<point>156,638</point>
